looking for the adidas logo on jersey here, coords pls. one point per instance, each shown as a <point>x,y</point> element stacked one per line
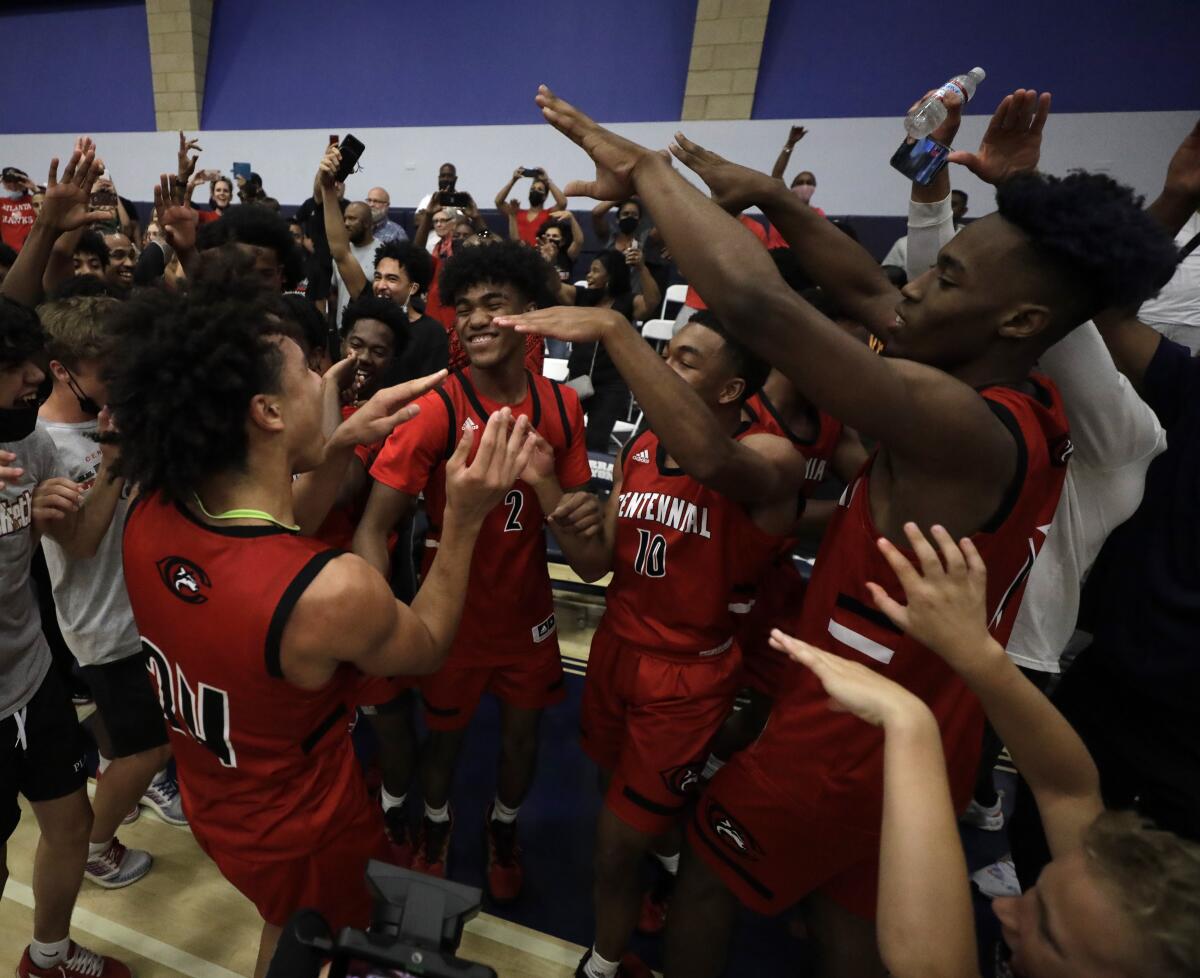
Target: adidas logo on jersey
<point>642,456</point>
<point>470,424</point>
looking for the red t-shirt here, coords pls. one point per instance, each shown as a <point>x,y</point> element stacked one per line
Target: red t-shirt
<point>693,297</point>
<point>510,601</point>
<point>16,218</point>
<point>528,227</point>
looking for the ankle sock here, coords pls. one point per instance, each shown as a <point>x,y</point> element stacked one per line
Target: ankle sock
<point>438,814</point>
<point>97,848</point>
<point>598,967</point>
<point>711,767</point>
<point>669,863</point>
<point>389,801</point>
<point>50,954</point>
<point>502,813</point>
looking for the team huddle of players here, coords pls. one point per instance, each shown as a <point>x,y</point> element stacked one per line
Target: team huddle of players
<point>263,640</point>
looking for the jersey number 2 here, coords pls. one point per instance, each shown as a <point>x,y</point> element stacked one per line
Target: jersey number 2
<point>515,501</point>
<point>208,725</point>
<point>651,559</point>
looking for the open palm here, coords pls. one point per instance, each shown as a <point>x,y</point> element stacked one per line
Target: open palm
<point>734,187</point>
<point>65,206</point>
<point>1013,141</point>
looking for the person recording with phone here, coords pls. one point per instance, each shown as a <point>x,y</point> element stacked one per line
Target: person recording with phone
<point>525,223</point>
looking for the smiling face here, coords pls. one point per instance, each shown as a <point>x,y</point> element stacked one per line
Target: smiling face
<point>373,346</point>
<point>19,384</point>
<point>86,263</point>
<point>1070,926</point>
<point>487,345</point>
<point>443,223</point>
<point>392,281</point>
<point>121,260</point>
<point>222,193</point>
<point>597,276</point>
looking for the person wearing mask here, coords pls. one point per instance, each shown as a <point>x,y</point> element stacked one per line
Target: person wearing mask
<point>525,223</point>
<point>383,227</point>
<point>16,206</point>
<point>631,229</point>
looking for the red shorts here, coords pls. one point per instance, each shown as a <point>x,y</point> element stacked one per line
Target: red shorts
<point>776,605</point>
<point>771,851</point>
<point>531,680</point>
<point>648,720</point>
<point>375,691</point>
<point>330,879</point>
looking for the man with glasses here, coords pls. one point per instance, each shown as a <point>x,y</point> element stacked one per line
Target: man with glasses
<point>385,229</point>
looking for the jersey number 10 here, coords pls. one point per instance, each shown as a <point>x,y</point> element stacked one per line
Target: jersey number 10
<point>651,558</point>
<point>209,724</point>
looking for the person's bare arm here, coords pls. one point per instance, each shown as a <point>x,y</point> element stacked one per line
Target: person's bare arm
<point>795,134</point>
<point>946,611</point>
<point>425,223</point>
<point>749,473</point>
<point>386,509</point>
<point>646,305</point>
<point>560,199</point>
<point>352,273</point>
<point>502,196</point>
<point>600,218</point>
<point>61,266</point>
<point>1180,195</point>
<point>576,245</point>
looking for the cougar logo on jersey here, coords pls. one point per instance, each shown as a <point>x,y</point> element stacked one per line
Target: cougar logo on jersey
<point>184,579</point>
<point>731,832</point>
<point>682,780</point>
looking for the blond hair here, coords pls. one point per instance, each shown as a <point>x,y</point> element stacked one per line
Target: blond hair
<point>78,328</point>
<point>1155,875</point>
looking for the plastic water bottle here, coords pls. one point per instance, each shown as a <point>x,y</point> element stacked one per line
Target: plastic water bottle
<point>931,113</point>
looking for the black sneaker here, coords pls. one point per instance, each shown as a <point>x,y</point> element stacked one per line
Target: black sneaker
<point>399,835</point>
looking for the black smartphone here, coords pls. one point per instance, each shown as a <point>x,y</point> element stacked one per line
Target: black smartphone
<point>921,159</point>
<point>457,199</point>
<point>352,149</point>
<point>527,172</point>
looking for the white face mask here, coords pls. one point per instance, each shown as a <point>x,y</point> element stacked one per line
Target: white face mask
<point>804,191</point>
<point>11,194</point>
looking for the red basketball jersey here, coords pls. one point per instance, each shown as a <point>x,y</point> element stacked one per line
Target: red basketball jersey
<point>509,604</point>
<point>839,615</point>
<point>818,450</point>
<point>686,560</point>
<point>266,769</point>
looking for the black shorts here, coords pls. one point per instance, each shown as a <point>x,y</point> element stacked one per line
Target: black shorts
<point>128,705</point>
<point>41,752</point>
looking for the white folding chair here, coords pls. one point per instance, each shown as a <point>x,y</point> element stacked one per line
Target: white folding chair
<point>658,331</point>
<point>676,296</point>
<point>555,368</point>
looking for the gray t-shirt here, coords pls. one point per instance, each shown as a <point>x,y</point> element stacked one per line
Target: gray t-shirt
<point>24,654</point>
<point>93,605</point>
<point>365,256</point>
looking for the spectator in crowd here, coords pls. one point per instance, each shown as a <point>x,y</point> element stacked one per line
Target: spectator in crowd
<point>1175,311</point>
<point>563,232</point>
<point>16,206</point>
<point>262,236</point>
<point>361,244</point>
<point>804,183</point>
<point>448,186</point>
<point>91,254</point>
<point>632,227</point>
<point>442,224</point>
<point>122,259</point>
<point>383,227</point>
<point>525,223</point>
<point>220,194</point>
<point>919,216</point>
<point>250,188</point>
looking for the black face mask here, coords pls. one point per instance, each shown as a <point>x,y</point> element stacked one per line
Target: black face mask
<point>18,423</point>
<point>628,224</point>
<point>86,404</point>
<point>536,197</point>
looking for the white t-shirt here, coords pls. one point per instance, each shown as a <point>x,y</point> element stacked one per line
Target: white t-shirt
<point>89,594</point>
<point>365,256</point>
<point>1178,304</point>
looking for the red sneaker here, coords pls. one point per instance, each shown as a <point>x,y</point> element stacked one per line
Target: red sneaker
<point>631,966</point>
<point>399,836</point>
<point>432,850</point>
<point>652,919</point>
<point>504,872</point>
<point>79,963</point>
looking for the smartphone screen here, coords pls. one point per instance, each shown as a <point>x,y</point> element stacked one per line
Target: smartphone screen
<point>920,160</point>
<point>241,170</point>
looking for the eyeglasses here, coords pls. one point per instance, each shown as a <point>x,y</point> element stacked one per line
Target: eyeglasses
<point>441,220</point>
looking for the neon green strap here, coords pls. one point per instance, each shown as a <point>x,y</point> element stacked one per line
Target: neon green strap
<point>243,514</point>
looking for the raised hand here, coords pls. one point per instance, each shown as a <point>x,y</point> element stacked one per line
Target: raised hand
<point>474,490</point>
<point>54,500</point>
<point>1183,172</point>
<point>576,324</point>
<point>186,167</point>
<point>387,409</point>
<point>177,220</point>
<point>540,467</point>
<point>795,134</point>
<point>946,608</point>
<point>852,686</point>
<point>327,171</point>
<point>1013,141</point>
<point>65,207</point>
<point>734,187</point>
<point>946,132</point>
<point>615,156</point>
<point>8,471</point>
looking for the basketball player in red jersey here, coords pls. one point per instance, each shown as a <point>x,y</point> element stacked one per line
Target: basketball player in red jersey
<point>700,504</point>
<point>968,438</point>
<point>253,632</point>
<point>508,644</point>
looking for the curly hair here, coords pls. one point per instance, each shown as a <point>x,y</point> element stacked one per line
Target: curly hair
<point>91,242</point>
<point>21,335</point>
<point>416,262</point>
<point>1155,876</point>
<point>78,328</point>
<point>183,371</point>
<point>313,326</point>
<point>1092,235</point>
<point>258,226</point>
<point>619,282</point>
<point>749,366</point>
<point>383,310</point>
<point>510,263</point>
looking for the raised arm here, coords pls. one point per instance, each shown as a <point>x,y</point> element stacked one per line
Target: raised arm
<point>502,195</point>
<point>425,223</point>
<point>600,218</point>
<point>687,428</point>
<point>946,612</point>
<point>795,134</point>
<point>353,276</point>
<point>560,199</point>
<point>646,305</point>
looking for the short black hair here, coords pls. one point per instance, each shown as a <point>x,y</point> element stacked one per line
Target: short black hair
<point>183,372</point>
<point>508,263</point>
<point>1091,234</point>
<point>7,255</point>
<point>91,242</point>
<point>961,193</point>
<point>619,282</point>
<point>749,366</point>
<point>21,336</point>
<point>78,285</point>
<point>258,226</point>
<point>416,262</point>
<point>383,310</point>
<point>313,326</point>
<point>631,200</point>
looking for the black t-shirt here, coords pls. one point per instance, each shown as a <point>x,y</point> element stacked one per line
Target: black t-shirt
<point>320,268</point>
<point>427,352</point>
<point>604,373</point>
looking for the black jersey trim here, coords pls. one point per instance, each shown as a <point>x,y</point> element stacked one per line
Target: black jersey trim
<point>812,412</point>
<point>876,617</point>
<point>477,404</point>
<point>440,711</point>
<point>322,728</point>
<point>283,610</point>
<point>654,807</point>
<point>628,447</point>
<point>537,400</point>
<point>270,530</point>
<point>757,885</point>
<point>451,419</point>
<point>1009,501</point>
<point>562,411</point>
<point>660,459</point>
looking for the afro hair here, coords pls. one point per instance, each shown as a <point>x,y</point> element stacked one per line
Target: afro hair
<point>1092,233</point>
<point>510,263</point>
<point>416,262</point>
<point>382,310</point>
<point>21,335</point>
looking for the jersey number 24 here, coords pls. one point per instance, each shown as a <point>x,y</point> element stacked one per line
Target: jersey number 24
<point>202,714</point>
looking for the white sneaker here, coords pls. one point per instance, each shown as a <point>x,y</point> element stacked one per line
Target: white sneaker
<point>162,796</point>
<point>118,866</point>
<point>998,880</point>
<point>990,819</point>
